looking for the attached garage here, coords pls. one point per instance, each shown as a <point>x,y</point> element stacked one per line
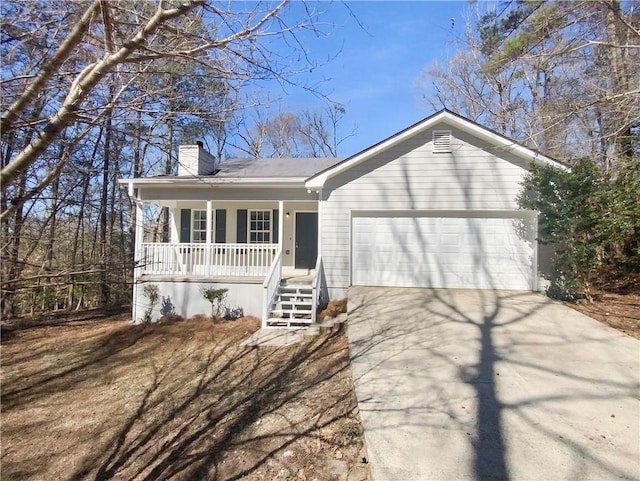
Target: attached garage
<point>435,205</point>
<point>481,250</point>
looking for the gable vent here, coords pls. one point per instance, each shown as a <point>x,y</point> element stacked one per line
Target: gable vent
<point>442,141</point>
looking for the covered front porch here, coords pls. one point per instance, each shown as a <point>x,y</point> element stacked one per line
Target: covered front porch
<point>257,250</point>
<point>243,224</point>
<point>233,238</point>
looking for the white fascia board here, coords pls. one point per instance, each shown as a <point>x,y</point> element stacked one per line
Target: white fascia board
<point>318,181</point>
<point>279,182</point>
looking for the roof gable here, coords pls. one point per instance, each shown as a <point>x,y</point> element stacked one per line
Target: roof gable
<point>444,118</point>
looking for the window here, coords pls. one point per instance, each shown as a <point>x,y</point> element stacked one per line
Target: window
<point>199,226</point>
<point>259,226</point>
<point>441,141</point>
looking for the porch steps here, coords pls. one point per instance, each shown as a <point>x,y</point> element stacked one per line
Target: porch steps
<point>293,305</point>
<point>274,337</point>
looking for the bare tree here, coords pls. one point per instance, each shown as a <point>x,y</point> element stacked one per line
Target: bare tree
<point>321,130</point>
<point>310,133</point>
<point>225,41</point>
<point>561,76</point>
<point>118,78</point>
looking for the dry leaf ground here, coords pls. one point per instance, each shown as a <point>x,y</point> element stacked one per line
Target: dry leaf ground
<point>618,310</point>
<point>102,399</point>
<point>97,398</point>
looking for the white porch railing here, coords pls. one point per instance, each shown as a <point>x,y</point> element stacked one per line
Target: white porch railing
<point>207,260</point>
<point>270,287</point>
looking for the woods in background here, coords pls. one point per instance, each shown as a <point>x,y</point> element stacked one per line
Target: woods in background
<point>98,90</point>
<point>563,78</point>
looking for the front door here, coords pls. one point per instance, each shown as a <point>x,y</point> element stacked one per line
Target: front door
<point>306,249</point>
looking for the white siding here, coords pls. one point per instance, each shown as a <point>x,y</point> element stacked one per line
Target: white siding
<point>410,176</point>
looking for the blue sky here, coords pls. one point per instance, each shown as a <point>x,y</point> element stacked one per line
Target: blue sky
<point>376,63</point>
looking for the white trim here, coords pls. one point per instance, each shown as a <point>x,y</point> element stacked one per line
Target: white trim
<point>350,236</point>
<point>317,181</point>
<point>193,229</point>
<point>319,204</point>
<point>485,213</point>
<point>535,281</point>
<point>270,230</point>
<point>209,223</point>
<point>174,235</point>
<point>280,224</point>
<point>137,254</point>
<point>230,182</point>
<point>210,220</point>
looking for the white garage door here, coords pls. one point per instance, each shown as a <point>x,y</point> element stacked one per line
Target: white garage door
<point>443,252</point>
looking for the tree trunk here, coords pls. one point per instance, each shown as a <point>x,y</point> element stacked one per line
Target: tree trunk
<point>49,288</point>
<point>104,204</point>
<point>168,171</point>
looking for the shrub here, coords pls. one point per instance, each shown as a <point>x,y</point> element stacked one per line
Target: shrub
<point>592,216</point>
<point>216,298</point>
<point>151,292</point>
<point>234,313</point>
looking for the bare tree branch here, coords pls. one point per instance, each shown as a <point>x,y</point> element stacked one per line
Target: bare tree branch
<point>12,113</point>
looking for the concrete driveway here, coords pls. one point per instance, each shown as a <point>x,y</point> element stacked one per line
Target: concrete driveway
<point>467,384</point>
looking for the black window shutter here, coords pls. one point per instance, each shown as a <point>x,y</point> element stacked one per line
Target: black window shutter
<point>241,226</point>
<point>221,226</point>
<point>275,223</point>
<point>185,225</point>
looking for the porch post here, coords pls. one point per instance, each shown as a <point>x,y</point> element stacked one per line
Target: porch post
<point>209,220</point>
<point>280,223</point>
<point>320,203</point>
<point>280,233</point>
<point>207,254</point>
<point>174,236</point>
<point>137,254</point>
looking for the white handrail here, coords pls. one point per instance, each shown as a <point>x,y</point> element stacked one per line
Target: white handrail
<point>207,260</point>
<point>270,286</point>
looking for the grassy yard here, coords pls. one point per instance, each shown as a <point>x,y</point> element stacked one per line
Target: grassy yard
<point>101,399</point>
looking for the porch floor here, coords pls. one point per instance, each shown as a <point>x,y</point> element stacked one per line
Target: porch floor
<point>294,279</point>
<point>219,279</point>
<point>296,276</point>
<point>292,276</point>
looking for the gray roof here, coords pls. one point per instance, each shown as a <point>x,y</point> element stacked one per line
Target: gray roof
<point>274,167</point>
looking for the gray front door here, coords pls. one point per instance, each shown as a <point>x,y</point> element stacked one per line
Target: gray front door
<point>306,240</point>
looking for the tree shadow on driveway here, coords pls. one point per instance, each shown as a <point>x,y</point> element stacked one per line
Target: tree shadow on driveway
<point>482,384</point>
